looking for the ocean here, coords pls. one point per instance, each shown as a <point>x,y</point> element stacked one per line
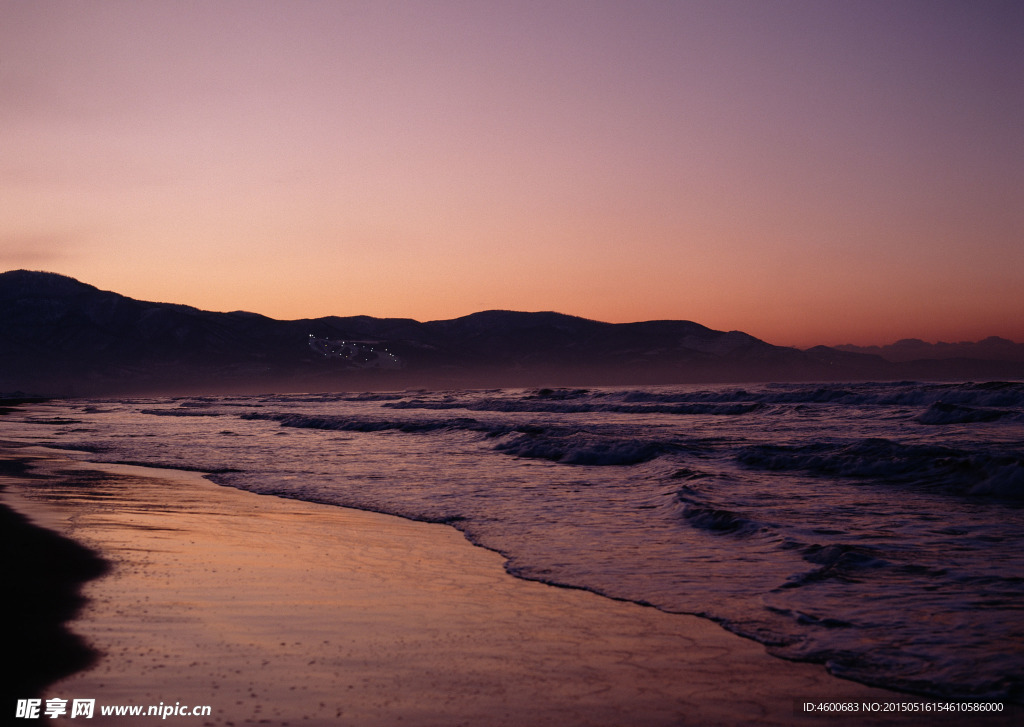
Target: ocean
<point>877,528</point>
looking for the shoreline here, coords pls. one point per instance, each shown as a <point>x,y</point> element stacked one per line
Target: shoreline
<point>290,611</point>
<point>41,606</point>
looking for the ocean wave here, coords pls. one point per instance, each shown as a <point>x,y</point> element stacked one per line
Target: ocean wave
<point>943,413</point>
<point>718,520</point>
<point>987,394</point>
<point>964,472</point>
<point>52,420</point>
<point>373,396</point>
<point>560,394</point>
<point>1005,394</point>
<point>572,406</point>
<point>685,473</point>
<point>565,445</point>
<point>584,448</point>
<point>197,412</point>
<point>363,424</point>
<point>836,561</point>
<point>726,401</point>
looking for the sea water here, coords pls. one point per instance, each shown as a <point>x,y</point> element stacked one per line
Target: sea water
<point>876,528</point>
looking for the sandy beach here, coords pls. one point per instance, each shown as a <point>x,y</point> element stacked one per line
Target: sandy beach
<point>275,611</point>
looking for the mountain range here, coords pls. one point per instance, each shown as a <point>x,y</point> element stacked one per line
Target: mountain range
<point>62,337</point>
<point>992,348</point>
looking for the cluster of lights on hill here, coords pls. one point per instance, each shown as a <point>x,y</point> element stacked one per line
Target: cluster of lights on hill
<point>358,354</point>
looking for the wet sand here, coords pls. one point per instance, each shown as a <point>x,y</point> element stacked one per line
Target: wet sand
<point>282,612</point>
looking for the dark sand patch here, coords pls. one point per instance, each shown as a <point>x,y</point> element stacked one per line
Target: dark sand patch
<point>42,574</point>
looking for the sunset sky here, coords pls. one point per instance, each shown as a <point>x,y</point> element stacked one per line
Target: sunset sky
<point>807,172</point>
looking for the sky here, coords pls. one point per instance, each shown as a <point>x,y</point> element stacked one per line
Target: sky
<point>807,172</point>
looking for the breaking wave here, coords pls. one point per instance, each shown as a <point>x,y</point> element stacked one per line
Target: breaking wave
<point>585,449</point>
<point>718,520</point>
<point>362,424</point>
<point>197,412</point>
<point>963,472</point>
<point>942,413</point>
<point>581,407</point>
<point>557,444</point>
<point>945,403</point>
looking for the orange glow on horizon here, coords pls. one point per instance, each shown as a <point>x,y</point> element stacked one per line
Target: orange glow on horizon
<point>832,176</point>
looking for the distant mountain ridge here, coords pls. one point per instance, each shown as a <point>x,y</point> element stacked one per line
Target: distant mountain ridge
<point>59,336</point>
<point>992,348</point>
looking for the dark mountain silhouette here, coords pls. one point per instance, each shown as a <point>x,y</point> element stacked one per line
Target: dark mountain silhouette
<point>59,336</point>
<point>992,348</point>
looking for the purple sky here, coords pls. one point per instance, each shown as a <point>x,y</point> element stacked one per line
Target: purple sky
<point>808,172</point>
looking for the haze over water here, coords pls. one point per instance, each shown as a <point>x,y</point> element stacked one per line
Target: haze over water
<point>876,528</point>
